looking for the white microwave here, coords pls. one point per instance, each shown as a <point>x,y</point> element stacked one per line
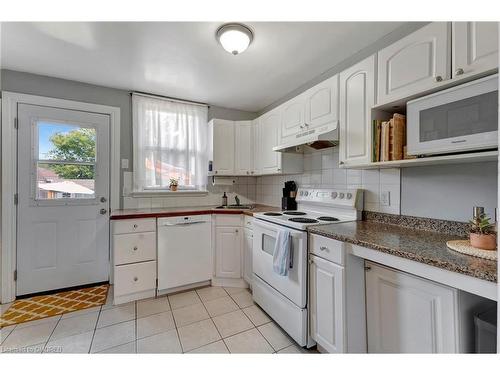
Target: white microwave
<point>460,119</point>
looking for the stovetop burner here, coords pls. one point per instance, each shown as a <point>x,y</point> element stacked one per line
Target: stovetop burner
<point>303,220</point>
<point>294,213</point>
<point>272,214</point>
<point>327,218</point>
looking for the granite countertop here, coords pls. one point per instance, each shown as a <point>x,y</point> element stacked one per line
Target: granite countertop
<point>180,211</point>
<point>423,246</point>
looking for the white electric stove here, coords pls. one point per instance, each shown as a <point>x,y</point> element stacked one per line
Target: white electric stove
<point>284,298</point>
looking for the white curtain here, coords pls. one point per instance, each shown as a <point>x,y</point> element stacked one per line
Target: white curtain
<point>170,141</point>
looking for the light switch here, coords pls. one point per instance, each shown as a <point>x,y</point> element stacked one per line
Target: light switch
<point>124,163</point>
<point>385,198</point>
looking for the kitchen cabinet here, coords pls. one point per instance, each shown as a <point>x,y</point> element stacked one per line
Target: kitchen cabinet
<point>408,314</point>
<point>247,255</point>
<point>243,153</point>
<point>228,252</point>
<point>322,103</point>
<point>256,147</point>
<point>326,304</point>
<point>292,117</point>
<point>414,64</point>
<point>270,161</point>
<point>357,96</point>
<point>474,48</point>
<point>223,147</point>
<point>133,250</point>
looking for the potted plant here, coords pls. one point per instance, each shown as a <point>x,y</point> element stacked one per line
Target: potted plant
<point>482,233</point>
<point>173,184</point>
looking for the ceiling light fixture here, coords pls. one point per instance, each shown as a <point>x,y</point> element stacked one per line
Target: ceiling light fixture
<point>234,37</point>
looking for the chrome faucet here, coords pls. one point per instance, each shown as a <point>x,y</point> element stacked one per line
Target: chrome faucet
<point>237,200</point>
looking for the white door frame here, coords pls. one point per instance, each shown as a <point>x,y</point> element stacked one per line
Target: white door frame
<point>9,103</point>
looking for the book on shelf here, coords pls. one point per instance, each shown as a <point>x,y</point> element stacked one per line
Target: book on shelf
<point>389,138</point>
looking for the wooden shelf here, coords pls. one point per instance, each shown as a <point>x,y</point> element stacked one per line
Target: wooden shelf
<point>475,157</point>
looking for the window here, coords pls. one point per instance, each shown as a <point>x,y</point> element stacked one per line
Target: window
<point>65,161</point>
<point>170,142</point>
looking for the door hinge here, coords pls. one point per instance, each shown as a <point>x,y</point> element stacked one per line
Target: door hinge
<point>16,199</point>
<point>15,275</point>
<point>16,124</point>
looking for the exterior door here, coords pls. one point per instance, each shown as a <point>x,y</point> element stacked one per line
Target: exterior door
<point>63,193</point>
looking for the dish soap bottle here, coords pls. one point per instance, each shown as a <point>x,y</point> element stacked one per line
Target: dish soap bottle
<point>224,199</point>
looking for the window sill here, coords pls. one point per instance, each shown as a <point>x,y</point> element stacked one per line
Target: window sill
<point>167,193</point>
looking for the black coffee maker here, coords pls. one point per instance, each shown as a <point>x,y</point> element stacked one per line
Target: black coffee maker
<point>288,202</point>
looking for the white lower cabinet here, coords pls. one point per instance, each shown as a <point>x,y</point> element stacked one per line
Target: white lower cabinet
<point>408,314</point>
<point>228,252</point>
<point>326,304</point>
<point>247,255</point>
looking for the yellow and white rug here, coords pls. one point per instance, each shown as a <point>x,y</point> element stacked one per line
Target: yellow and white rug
<point>39,307</point>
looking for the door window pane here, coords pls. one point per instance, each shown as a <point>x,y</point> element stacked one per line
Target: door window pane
<point>65,161</point>
<point>65,181</point>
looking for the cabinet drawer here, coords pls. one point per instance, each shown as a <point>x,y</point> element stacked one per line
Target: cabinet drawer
<point>228,220</point>
<point>134,278</point>
<point>134,247</point>
<point>134,226</point>
<point>327,248</point>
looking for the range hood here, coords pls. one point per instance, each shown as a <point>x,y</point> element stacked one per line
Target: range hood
<point>323,136</point>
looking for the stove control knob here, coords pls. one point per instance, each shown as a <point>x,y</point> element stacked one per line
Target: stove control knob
<point>334,195</point>
<point>349,196</point>
<point>301,193</point>
<point>341,195</point>
<point>306,193</point>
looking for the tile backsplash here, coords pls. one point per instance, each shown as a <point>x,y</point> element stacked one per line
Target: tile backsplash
<point>381,187</point>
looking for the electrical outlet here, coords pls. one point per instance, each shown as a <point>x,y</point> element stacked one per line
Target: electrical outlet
<point>385,198</point>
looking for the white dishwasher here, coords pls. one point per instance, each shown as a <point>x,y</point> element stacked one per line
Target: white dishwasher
<point>184,251</point>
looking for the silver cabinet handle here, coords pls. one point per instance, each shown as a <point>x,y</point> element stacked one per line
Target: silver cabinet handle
<point>216,172</point>
<point>136,278</point>
<point>135,226</point>
<point>341,162</point>
<point>103,199</point>
<point>459,72</point>
<point>103,211</point>
<point>367,268</point>
<point>135,248</point>
<point>324,248</point>
<point>236,231</point>
<point>438,78</point>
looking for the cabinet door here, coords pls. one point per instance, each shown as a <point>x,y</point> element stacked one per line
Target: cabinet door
<point>414,64</point>
<point>407,314</point>
<point>326,298</point>
<point>256,147</point>
<point>292,117</point>
<point>270,161</point>
<point>247,256</point>
<point>475,48</point>
<point>243,148</point>
<point>228,252</point>
<point>223,149</point>
<point>322,103</point>
<point>357,94</point>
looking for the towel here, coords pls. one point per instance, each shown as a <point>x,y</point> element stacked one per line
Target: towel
<point>282,256</point>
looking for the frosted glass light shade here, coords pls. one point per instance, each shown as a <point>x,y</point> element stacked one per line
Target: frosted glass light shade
<point>234,38</point>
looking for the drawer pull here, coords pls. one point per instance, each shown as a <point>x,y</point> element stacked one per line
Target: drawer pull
<point>135,248</point>
<point>324,248</point>
<point>136,278</point>
<point>135,226</point>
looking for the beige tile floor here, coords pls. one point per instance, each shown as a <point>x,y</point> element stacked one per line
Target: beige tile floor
<point>205,320</point>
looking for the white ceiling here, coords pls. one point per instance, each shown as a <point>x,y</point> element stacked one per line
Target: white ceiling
<point>184,60</point>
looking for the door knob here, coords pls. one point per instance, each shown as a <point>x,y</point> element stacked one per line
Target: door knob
<point>103,211</point>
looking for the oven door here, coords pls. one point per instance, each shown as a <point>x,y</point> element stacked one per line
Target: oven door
<point>463,118</point>
<point>292,286</point>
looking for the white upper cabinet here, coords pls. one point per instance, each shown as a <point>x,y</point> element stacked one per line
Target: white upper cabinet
<point>475,48</point>
<point>357,96</point>
<point>256,147</point>
<point>419,62</point>
<point>269,125</point>
<point>292,117</point>
<point>223,147</point>
<point>244,144</point>
<point>322,103</point>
